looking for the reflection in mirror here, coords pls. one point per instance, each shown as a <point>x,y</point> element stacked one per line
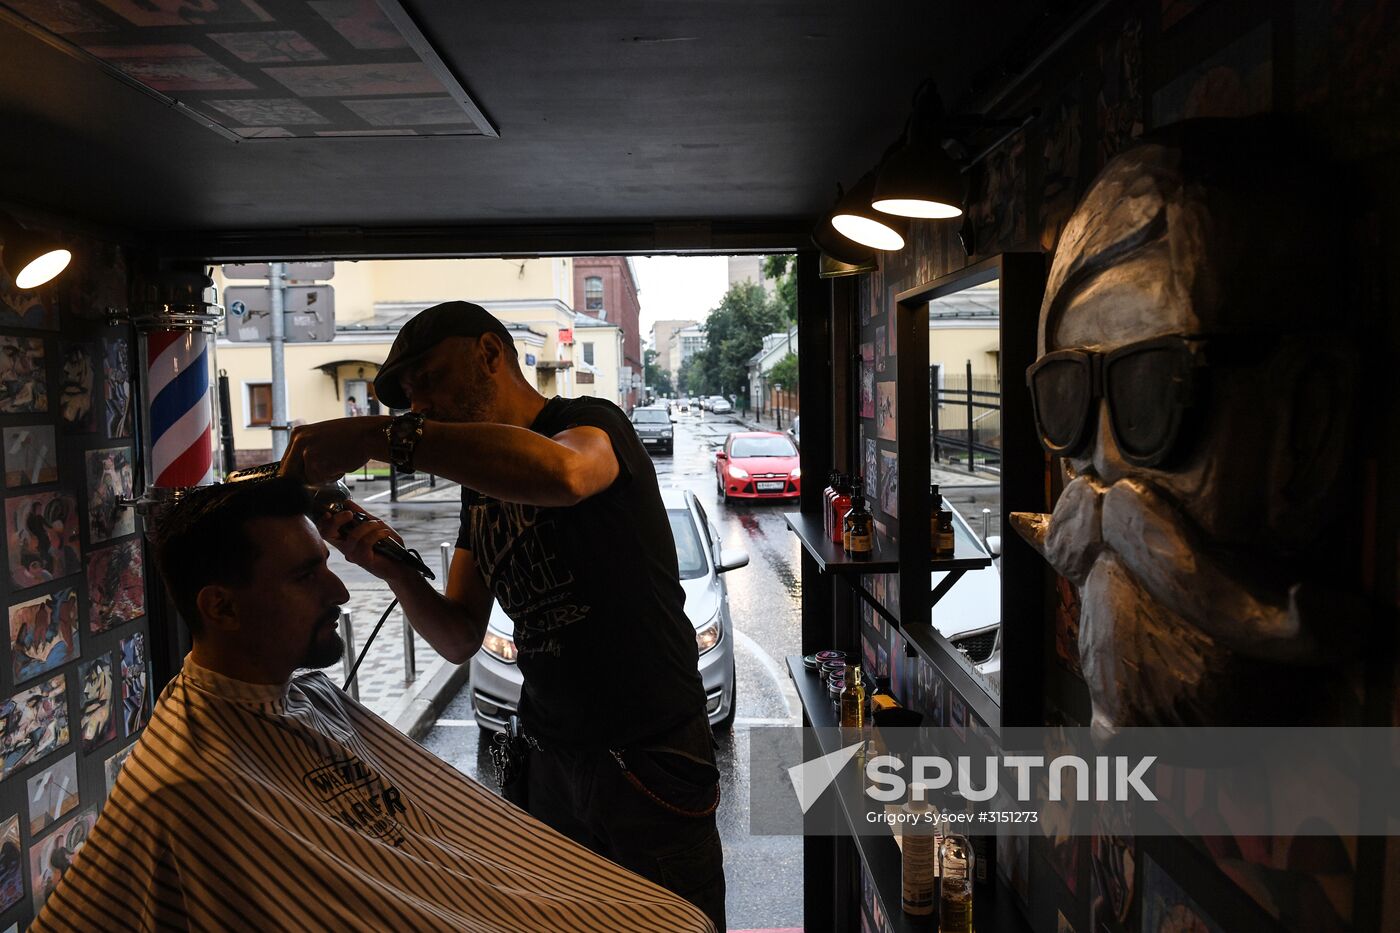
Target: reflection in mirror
<point>964,379</point>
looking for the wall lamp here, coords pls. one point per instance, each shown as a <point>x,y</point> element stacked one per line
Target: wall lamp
<point>31,258</point>
<point>916,178</point>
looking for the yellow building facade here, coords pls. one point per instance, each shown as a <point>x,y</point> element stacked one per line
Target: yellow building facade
<point>533,297</point>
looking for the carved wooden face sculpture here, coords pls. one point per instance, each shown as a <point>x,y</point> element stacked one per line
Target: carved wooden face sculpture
<point>1200,412</point>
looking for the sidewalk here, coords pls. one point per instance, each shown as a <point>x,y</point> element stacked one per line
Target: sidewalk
<point>412,706</point>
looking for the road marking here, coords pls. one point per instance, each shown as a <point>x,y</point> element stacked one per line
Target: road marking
<point>783,684</point>
<point>464,723</point>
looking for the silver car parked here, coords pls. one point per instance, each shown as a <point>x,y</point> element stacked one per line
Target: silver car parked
<point>496,679</point>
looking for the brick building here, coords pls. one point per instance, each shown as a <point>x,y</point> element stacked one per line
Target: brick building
<point>605,287</point>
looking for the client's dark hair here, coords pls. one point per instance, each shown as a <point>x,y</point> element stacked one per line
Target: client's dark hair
<point>200,539</point>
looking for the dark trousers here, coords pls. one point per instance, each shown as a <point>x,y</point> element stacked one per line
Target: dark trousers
<point>655,816</point>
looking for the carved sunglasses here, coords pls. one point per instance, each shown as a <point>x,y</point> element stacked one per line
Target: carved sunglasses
<point>1150,388</point>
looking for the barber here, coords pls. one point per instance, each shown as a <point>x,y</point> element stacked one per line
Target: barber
<point>562,524</point>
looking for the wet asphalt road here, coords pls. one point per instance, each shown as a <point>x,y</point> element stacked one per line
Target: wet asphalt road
<point>763,873</point>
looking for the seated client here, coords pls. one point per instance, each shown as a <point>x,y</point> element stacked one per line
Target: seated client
<point>261,800</point>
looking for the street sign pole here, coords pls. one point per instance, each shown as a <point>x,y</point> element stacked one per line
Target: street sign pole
<point>276,283</point>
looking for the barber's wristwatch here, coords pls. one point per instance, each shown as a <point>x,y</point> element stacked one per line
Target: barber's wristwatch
<point>403,433</point>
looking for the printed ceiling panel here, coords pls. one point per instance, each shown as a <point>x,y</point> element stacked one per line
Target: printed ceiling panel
<point>272,69</point>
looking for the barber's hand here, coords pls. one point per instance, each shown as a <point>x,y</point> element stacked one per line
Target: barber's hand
<point>327,450</point>
<point>354,533</point>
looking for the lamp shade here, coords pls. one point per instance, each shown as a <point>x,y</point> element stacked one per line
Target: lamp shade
<point>829,267</point>
<point>856,220</point>
<point>919,179</point>
<point>838,247</point>
<point>31,258</point>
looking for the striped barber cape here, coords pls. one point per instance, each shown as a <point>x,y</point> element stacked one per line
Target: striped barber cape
<point>261,807</point>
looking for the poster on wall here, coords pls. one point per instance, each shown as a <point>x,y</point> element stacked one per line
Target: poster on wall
<point>113,766</point>
<point>76,401</point>
<point>1165,906</point>
<point>43,633</point>
<point>885,411</point>
<point>881,364</point>
<point>1119,102</point>
<point>33,723</point>
<point>27,307</point>
<point>116,585</point>
<point>1235,82</point>
<point>50,857</point>
<point>41,537</point>
<point>1060,165</point>
<point>867,380</point>
<point>109,481</point>
<point>52,794</point>
<point>1112,872</point>
<point>99,722</point>
<point>24,383</point>
<point>889,483</point>
<point>11,864</point>
<point>871,469</point>
<point>116,387</point>
<point>136,684</point>
<point>31,455</point>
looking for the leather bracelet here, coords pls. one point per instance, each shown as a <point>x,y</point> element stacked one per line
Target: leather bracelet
<point>403,433</point>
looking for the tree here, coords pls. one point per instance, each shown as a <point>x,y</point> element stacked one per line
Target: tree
<point>734,332</point>
<point>784,372</point>
<point>783,270</point>
<point>657,378</point>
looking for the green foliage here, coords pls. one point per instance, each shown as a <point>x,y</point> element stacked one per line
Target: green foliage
<point>784,372</point>
<point>734,332</point>
<point>658,379</point>
<point>783,270</point>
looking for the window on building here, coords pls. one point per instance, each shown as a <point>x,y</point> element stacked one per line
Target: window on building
<point>588,353</point>
<point>259,404</point>
<point>593,293</point>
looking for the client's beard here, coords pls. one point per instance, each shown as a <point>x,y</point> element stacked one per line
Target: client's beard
<point>321,653</point>
<point>1169,633</point>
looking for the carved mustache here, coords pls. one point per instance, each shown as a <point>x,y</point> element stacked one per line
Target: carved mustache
<point>1169,558</point>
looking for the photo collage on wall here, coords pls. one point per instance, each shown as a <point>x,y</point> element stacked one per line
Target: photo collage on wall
<point>77,686</point>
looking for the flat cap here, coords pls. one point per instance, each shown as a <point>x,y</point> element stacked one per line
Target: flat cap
<point>425,331</point>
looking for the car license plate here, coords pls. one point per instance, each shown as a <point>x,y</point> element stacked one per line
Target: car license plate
<point>771,487</point>
<point>650,440</point>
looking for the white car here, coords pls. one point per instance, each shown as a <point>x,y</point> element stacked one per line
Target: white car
<point>720,405</point>
<point>495,677</point>
<point>969,614</point>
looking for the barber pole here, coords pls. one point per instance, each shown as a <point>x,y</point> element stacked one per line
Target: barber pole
<point>175,321</point>
<point>182,447</point>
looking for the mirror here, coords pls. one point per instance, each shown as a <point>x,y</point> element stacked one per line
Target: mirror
<point>732,558</point>
<point>965,432</point>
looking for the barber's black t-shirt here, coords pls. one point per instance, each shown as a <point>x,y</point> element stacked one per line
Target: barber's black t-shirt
<point>607,653</point>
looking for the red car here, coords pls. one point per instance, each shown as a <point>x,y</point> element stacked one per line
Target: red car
<point>757,465</point>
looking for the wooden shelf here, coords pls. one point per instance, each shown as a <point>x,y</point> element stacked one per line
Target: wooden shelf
<point>994,911</point>
<point>831,559</point>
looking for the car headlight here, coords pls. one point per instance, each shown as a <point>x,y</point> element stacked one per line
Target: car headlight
<point>707,637</point>
<point>500,647</point>
<point>738,472</point>
<point>797,472</point>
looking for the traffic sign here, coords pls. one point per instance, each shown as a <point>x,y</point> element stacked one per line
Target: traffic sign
<point>308,313</point>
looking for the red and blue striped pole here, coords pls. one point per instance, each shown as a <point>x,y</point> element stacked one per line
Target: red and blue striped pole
<point>176,323</point>
<point>182,444</point>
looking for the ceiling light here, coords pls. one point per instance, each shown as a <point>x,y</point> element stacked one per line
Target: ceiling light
<point>837,248</point>
<point>31,258</point>
<point>855,219</point>
<point>919,180</point>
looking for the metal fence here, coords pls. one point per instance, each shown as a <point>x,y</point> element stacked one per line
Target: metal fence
<point>965,411</point>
